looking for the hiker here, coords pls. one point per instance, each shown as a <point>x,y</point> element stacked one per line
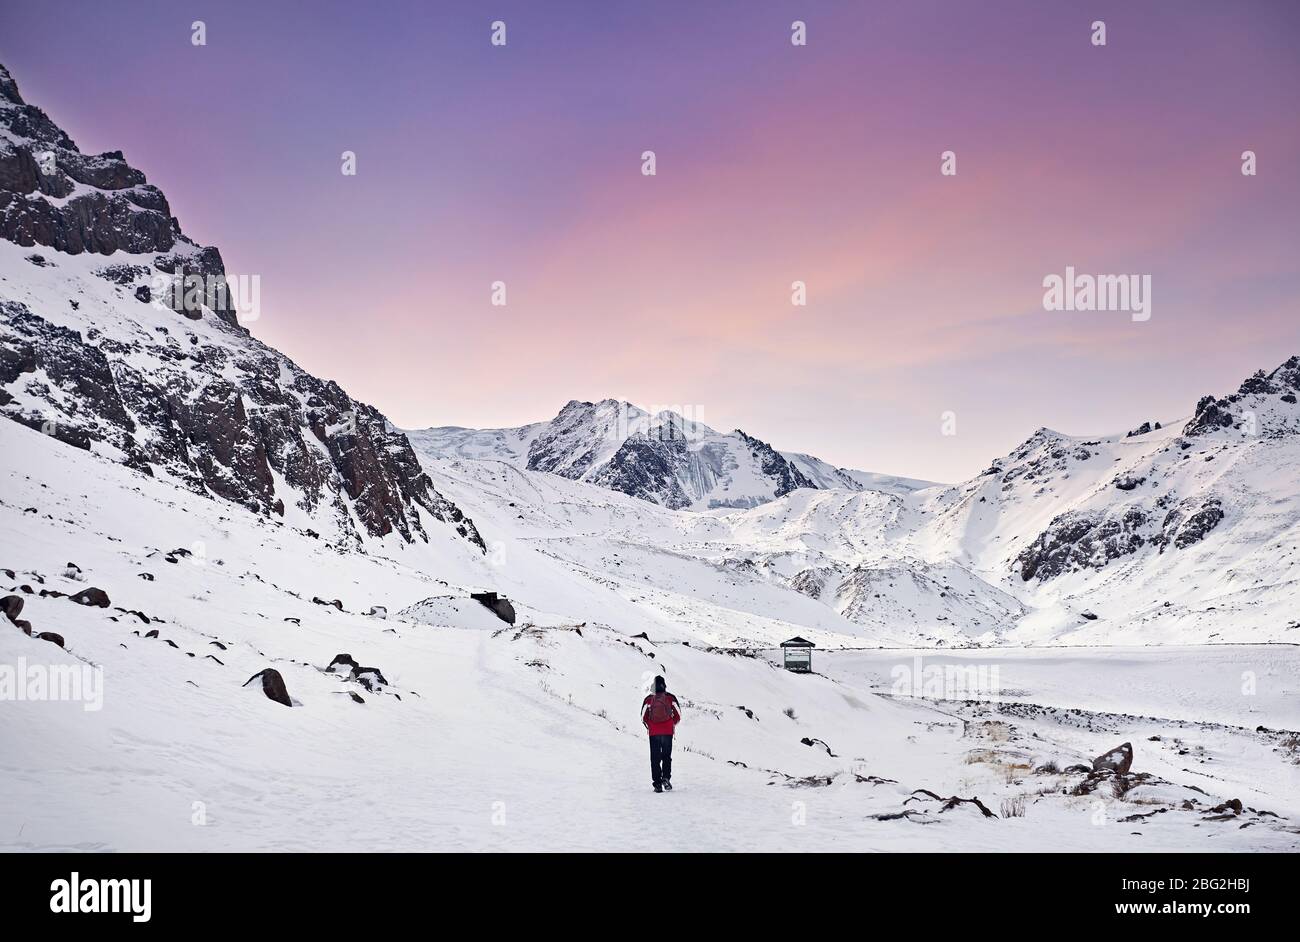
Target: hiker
<point>660,713</point>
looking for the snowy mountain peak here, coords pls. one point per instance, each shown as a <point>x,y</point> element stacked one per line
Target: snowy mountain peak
<point>1264,404</point>
<point>662,457</point>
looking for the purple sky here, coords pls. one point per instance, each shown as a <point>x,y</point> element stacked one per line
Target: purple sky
<point>775,163</point>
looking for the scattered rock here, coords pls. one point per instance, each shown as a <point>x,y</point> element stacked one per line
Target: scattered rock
<point>951,802</point>
<point>1118,760</point>
<point>51,636</point>
<point>499,605</point>
<point>370,677</point>
<point>378,611</point>
<point>12,606</point>
<point>873,780</point>
<point>272,685</point>
<point>92,596</point>
<point>343,664</point>
<point>817,742</point>
<point>1230,807</point>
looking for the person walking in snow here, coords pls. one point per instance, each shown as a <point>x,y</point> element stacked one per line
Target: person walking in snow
<point>660,714</point>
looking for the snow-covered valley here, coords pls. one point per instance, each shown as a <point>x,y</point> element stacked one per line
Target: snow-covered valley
<point>485,735</point>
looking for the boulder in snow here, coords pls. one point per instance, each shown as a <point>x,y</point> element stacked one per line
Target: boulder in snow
<point>499,605</point>
<point>272,685</point>
<point>91,596</point>
<point>12,606</point>
<point>1118,760</point>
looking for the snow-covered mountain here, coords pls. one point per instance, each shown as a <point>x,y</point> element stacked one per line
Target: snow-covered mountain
<point>1180,533</point>
<point>171,384</point>
<point>660,457</point>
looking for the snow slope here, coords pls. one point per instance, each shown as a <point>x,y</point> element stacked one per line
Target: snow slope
<point>491,736</point>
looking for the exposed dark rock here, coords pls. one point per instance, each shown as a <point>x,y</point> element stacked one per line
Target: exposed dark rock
<point>1119,760</point>
<point>91,596</point>
<point>343,664</point>
<point>11,606</point>
<point>951,802</point>
<point>52,637</point>
<point>1211,414</point>
<point>817,742</point>
<point>1232,806</point>
<point>24,625</point>
<point>1189,522</point>
<point>498,605</point>
<point>272,685</point>
<point>370,677</point>
<point>1076,540</point>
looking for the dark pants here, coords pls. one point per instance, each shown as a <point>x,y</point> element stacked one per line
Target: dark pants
<point>661,757</point>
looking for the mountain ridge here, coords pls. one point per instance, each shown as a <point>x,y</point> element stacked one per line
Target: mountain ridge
<point>661,457</point>
<point>93,355</point>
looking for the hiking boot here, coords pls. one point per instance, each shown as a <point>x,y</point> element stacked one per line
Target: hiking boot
<point>668,786</point>
<point>658,787</point>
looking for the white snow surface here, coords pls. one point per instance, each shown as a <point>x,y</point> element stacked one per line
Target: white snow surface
<point>526,737</point>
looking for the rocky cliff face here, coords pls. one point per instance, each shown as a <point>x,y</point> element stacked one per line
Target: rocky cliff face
<point>91,354</point>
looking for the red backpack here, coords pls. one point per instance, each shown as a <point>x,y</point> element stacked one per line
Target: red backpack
<point>661,708</point>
